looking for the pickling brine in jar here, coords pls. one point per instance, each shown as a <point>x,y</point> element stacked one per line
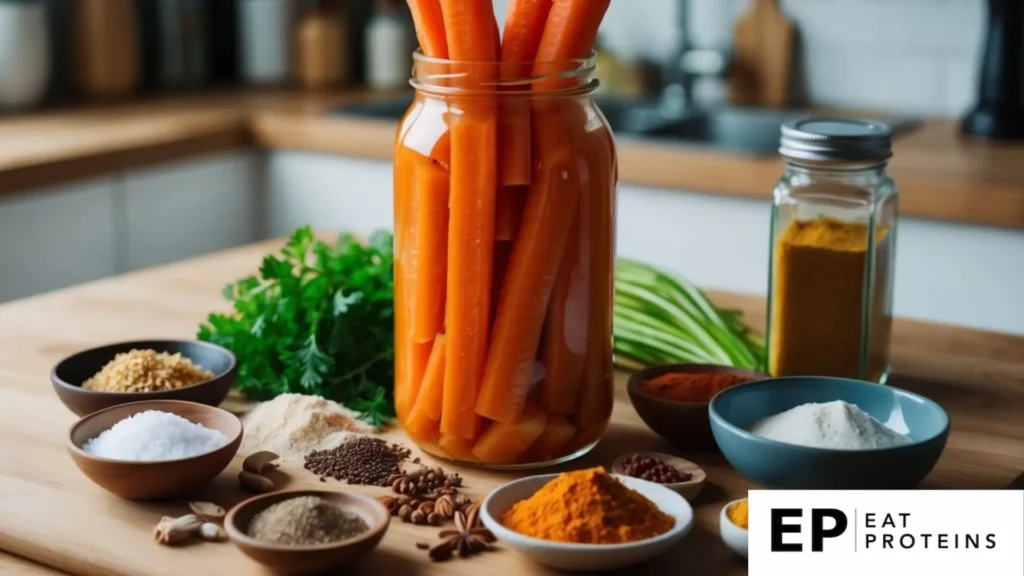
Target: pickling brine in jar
<point>504,234</point>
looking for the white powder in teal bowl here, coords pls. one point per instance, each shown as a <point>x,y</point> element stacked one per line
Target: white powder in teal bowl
<point>154,435</point>
<point>837,425</point>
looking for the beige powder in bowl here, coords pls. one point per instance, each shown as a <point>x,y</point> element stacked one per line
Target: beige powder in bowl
<point>292,425</point>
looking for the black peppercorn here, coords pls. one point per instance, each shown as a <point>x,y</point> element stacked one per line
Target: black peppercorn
<point>653,470</point>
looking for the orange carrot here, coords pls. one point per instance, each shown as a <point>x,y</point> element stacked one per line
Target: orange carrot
<point>509,211</point>
<point>407,353</point>
<point>585,437</point>
<point>524,25</point>
<point>570,32</point>
<point>441,152</point>
<point>470,266</point>
<point>565,342</point>
<point>430,32</point>
<point>553,441</point>
<point>571,29</point>
<point>422,422</point>
<point>470,28</point>
<point>531,273</point>
<point>505,442</point>
<point>596,390</point>
<point>429,23</point>
<point>430,221</point>
<point>420,428</point>
<point>457,447</point>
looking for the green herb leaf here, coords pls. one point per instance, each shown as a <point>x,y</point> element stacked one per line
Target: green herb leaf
<point>317,319</point>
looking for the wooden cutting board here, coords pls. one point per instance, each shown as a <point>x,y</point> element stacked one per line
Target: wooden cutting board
<point>51,514</point>
<point>760,74</point>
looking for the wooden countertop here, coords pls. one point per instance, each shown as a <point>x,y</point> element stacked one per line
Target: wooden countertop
<point>941,175</point>
<point>54,516</point>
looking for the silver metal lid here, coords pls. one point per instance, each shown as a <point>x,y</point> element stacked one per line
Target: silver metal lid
<point>836,139</point>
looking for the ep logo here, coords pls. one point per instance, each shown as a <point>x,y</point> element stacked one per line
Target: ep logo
<point>787,525</point>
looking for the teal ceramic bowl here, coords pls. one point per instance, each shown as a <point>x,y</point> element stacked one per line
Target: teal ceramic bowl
<point>781,465</point>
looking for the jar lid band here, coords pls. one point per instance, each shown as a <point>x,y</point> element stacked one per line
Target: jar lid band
<point>836,139</point>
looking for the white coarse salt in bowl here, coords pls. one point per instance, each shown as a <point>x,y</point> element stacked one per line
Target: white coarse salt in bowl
<point>592,557</point>
<point>155,479</point>
<point>734,536</point>
<point>154,435</point>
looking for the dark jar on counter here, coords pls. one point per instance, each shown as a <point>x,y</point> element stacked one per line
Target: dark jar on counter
<point>832,259</point>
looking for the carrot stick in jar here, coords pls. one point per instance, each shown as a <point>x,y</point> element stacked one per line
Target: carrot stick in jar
<point>566,328</point>
<point>430,219</point>
<point>596,390</point>
<point>471,32</point>
<point>422,423</point>
<point>524,26</point>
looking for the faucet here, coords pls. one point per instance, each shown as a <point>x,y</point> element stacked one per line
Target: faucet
<point>686,65</point>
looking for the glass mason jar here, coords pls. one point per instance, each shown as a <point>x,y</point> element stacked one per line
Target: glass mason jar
<point>504,186</point>
<point>833,241</point>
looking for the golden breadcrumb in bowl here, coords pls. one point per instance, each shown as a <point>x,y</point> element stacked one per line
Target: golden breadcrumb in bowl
<point>125,372</point>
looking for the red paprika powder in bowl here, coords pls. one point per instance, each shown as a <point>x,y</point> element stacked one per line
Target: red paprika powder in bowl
<point>673,399</point>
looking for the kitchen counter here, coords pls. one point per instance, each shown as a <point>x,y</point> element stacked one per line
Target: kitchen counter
<point>54,516</point>
<point>941,175</point>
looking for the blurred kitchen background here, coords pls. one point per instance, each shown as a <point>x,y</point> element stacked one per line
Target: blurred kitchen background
<point>136,133</point>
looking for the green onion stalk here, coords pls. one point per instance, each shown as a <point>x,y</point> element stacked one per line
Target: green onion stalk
<point>661,318</point>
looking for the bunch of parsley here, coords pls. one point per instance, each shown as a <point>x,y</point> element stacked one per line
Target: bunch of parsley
<point>318,319</point>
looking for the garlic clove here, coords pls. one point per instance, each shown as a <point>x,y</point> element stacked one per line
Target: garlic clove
<point>170,530</point>
<point>211,532</point>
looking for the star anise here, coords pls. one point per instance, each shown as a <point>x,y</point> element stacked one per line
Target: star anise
<point>468,537</point>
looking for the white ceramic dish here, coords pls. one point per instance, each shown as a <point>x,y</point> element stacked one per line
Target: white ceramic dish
<point>569,556</point>
<point>733,536</point>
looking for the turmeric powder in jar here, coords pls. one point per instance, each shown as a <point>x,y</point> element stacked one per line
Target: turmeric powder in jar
<point>832,255</point>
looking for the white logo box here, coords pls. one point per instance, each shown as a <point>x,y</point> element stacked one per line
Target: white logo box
<point>919,532</point>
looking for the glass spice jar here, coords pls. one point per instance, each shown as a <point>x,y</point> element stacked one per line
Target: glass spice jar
<point>832,258</point>
<point>504,249</point>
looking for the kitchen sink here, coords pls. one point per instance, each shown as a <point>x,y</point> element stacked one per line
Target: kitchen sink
<point>752,131</point>
<point>749,131</point>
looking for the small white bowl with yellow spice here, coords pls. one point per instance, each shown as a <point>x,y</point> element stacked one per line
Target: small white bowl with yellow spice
<point>732,524</point>
<point>535,517</point>
<point>115,374</point>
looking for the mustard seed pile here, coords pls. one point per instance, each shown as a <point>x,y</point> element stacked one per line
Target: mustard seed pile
<point>304,521</point>
<point>146,371</point>
<point>359,460</point>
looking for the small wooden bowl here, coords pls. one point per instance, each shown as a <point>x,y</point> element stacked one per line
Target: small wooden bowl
<point>69,374</point>
<point>315,559</point>
<point>689,489</point>
<point>685,424</point>
<point>154,480</point>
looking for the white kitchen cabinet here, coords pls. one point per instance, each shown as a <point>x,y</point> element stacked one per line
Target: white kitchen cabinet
<point>57,237</point>
<point>328,192</point>
<point>184,209</point>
